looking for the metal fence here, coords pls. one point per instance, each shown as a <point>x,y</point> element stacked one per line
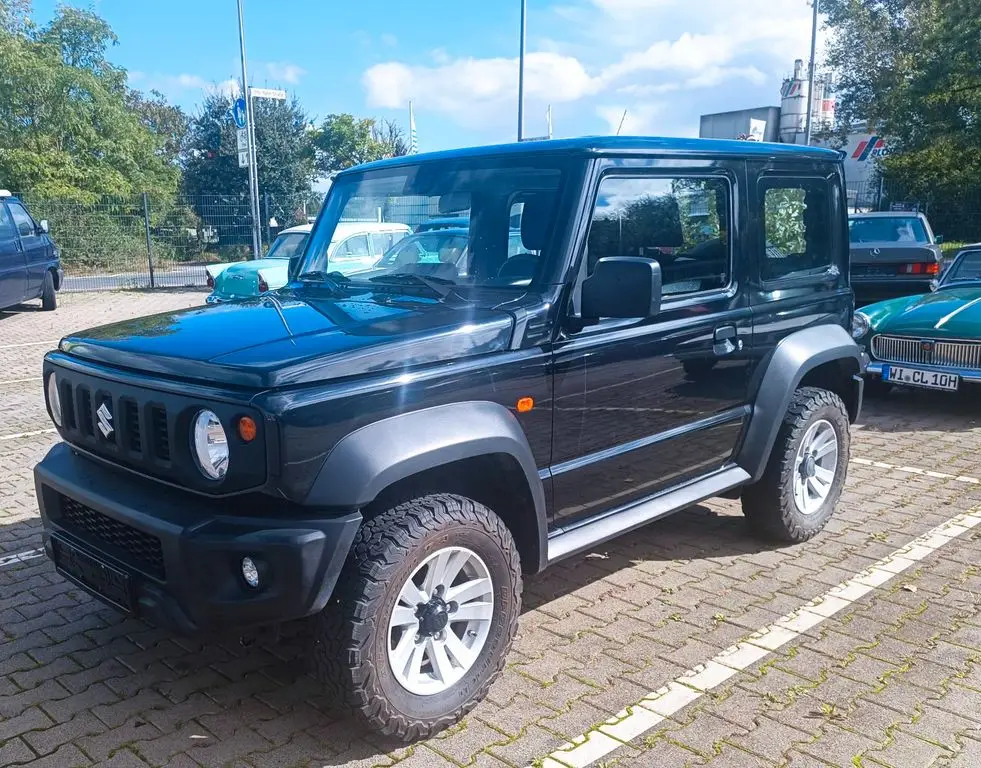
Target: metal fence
<point>145,241</point>
<point>956,216</point>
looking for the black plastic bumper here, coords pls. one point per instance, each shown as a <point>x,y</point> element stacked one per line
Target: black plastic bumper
<point>166,555</point>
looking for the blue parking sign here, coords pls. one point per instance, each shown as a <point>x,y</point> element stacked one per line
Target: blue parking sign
<point>238,112</point>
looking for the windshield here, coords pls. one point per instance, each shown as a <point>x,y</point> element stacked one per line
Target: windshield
<point>288,245</point>
<point>887,229</point>
<point>966,267</point>
<point>503,211</point>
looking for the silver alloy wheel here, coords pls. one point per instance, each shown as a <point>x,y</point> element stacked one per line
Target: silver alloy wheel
<point>815,466</point>
<point>440,621</point>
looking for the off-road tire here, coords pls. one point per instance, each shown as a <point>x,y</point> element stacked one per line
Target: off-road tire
<point>769,504</point>
<point>351,634</point>
<point>49,300</point>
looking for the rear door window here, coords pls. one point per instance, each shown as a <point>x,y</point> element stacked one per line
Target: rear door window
<point>798,228</point>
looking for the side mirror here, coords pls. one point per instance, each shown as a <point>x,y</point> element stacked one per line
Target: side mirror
<point>43,225</point>
<point>294,265</point>
<point>938,239</point>
<point>622,287</point>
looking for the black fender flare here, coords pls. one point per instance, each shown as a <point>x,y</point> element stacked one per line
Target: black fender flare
<point>794,356</point>
<point>367,461</point>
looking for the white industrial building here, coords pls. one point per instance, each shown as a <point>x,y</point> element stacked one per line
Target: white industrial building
<point>786,124</point>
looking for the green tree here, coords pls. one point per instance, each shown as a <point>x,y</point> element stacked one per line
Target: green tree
<point>168,122</point>
<point>343,141</point>
<point>286,164</point>
<point>66,129</point>
<point>911,70</point>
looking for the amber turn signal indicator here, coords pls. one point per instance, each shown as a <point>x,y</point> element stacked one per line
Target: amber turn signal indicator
<point>525,404</point>
<point>247,429</point>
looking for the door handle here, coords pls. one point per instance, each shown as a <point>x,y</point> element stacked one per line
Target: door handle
<point>726,340</point>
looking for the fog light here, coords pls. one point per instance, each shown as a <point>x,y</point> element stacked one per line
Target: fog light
<point>249,572</point>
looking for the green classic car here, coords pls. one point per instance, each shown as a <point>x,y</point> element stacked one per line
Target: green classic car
<point>933,340</point>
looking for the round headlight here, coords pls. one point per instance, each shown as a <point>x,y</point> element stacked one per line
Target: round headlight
<point>860,325</point>
<point>210,445</point>
<point>54,400</point>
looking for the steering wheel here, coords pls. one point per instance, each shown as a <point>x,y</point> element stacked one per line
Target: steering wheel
<point>521,266</point>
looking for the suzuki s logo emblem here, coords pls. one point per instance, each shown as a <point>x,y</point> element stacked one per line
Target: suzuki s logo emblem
<point>876,251</point>
<point>105,420</point>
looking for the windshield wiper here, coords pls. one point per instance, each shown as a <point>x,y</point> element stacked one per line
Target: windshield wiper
<point>333,279</point>
<point>441,286</point>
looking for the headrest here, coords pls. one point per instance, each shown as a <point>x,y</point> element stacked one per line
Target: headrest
<point>536,219</point>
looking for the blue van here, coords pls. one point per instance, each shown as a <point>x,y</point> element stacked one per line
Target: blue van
<point>30,265</point>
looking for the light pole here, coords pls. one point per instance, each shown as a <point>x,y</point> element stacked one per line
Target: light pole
<point>521,75</point>
<point>250,132</point>
<point>810,75</point>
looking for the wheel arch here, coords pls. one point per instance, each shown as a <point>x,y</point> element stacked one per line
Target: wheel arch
<point>475,449</point>
<point>55,277</point>
<point>823,356</point>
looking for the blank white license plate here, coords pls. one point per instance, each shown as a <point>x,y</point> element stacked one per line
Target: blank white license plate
<point>917,377</point>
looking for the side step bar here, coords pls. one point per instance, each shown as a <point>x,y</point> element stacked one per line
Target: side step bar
<point>609,525</point>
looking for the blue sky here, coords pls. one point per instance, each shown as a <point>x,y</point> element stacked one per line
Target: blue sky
<point>664,61</point>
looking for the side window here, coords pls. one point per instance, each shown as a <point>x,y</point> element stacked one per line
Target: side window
<point>682,222</point>
<point>22,220</point>
<point>6,223</point>
<point>798,228</point>
<point>354,247</point>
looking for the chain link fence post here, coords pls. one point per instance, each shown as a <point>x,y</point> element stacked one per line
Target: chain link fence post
<point>146,226</point>
<point>265,200</point>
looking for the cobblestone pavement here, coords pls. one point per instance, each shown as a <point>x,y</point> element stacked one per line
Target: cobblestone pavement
<point>893,679</point>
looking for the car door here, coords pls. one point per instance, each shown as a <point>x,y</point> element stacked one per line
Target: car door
<point>34,245</point>
<point>12,264</point>
<point>352,254</point>
<point>801,252</point>
<point>643,406</point>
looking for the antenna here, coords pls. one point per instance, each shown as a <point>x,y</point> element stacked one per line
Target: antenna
<point>620,127</point>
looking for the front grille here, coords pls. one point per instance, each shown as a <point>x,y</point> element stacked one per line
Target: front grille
<point>943,354</point>
<point>139,548</point>
<point>161,436</point>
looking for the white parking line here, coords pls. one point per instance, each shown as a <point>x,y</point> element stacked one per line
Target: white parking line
<point>19,435</point>
<point>651,710</point>
<point>51,344</point>
<point>20,557</point>
<point>918,471</point>
<point>20,381</point>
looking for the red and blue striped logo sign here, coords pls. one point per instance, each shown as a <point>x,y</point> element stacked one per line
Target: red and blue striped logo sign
<point>870,147</point>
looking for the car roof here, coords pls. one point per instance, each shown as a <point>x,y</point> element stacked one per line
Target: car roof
<point>348,228</point>
<point>298,228</point>
<point>605,145</point>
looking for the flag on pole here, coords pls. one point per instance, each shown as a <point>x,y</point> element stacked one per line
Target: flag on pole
<point>413,139</point>
<point>548,119</point>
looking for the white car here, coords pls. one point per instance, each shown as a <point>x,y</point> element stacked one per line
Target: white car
<point>356,246</point>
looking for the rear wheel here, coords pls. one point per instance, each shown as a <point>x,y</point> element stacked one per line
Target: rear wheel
<point>49,300</point>
<point>427,609</point>
<point>806,472</point>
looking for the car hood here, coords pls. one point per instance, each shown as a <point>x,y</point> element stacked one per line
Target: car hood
<point>953,313</point>
<point>286,338</point>
<point>892,253</point>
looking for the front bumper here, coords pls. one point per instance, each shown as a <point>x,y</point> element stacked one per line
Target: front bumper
<point>875,367</point>
<point>175,558</point>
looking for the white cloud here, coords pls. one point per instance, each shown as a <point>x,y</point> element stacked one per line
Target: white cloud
<point>180,85</point>
<point>284,72</point>
<point>472,89</point>
<point>640,119</point>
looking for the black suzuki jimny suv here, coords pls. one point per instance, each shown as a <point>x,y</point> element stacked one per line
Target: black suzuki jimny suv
<point>388,451</point>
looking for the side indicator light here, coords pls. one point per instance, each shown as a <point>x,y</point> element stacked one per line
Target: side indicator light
<point>247,429</point>
<point>525,404</point>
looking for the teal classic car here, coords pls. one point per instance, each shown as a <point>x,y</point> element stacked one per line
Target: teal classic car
<point>356,246</point>
<point>933,340</point>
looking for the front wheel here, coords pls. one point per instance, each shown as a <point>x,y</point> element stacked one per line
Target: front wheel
<point>49,300</point>
<point>805,475</point>
<point>427,609</point>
